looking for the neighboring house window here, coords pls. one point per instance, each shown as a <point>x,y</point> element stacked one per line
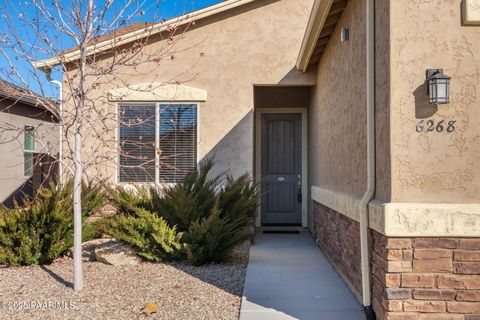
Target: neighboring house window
<point>173,135</point>
<point>28,150</point>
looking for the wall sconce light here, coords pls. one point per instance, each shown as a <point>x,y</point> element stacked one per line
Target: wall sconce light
<point>345,34</point>
<point>438,85</point>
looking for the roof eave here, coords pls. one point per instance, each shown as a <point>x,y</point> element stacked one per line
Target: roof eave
<point>32,102</point>
<point>49,63</point>
<point>317,19</point>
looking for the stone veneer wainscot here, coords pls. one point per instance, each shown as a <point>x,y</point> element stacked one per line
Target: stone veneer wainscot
<point>413,278</point>
<point>425,278</point>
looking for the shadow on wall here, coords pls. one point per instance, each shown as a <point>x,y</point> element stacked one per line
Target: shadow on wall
<point>295,78</point>
<point>423,108</point>
<point>227,154</point>
<point>44,171</point>
<point>237,161</point>
<point>18,195</point>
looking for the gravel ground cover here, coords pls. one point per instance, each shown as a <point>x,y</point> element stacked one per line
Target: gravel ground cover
<point>180,291</point>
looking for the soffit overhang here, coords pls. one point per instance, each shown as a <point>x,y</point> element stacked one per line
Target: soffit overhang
<point>321,24</point>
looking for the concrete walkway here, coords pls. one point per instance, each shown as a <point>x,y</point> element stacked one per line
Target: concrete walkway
<point>288,277</point>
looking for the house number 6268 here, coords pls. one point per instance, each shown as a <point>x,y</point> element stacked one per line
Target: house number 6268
<point>440,126</point>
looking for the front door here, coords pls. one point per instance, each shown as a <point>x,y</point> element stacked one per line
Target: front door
<point>281,168</point>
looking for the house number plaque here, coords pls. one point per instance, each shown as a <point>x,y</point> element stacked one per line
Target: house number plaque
<point>447,126</point>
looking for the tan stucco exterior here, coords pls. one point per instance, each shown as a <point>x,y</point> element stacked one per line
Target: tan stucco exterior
<point>382,101</point>
<point>337,114</point>
<point>411,167</point>
<point>224,55</point>
<point>235,63</point>
<point>426,183</point>
<point>433,167</point>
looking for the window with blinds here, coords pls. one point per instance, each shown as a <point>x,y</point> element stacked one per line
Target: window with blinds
<point>178,141</point>
<point>175,136</point>
<point>137,143</point>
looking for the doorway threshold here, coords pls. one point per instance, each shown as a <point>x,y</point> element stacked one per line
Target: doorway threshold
<point>279,229</point>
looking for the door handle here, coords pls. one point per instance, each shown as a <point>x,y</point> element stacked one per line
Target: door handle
<point>299,197</point>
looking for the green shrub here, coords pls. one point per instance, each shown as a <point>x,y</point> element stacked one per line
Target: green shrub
<point>194,198</point>
<point>90,231</point>
<point>212,238</point>
<point>176,206</point>
<point>42,229</point>
<point>239,199</point>
<point>128,200</point>
<point>146,232</point>
<point>188,201</point>
<point>211,218</point>
<point>93,196</point>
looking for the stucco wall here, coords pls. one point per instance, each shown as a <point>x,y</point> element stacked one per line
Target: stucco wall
<point>337,115</point>
<point>382,101</point>
<point>11,148</point>
<point>225,54</point>
<point>433,166</point>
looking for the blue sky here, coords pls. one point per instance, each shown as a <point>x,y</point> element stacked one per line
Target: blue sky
<point>15,13</point>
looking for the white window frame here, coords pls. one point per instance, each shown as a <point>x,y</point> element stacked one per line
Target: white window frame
<point>28,151</point>
<point>157,140</point>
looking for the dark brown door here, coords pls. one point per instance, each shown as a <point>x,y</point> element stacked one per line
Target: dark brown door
<point>281,162</point>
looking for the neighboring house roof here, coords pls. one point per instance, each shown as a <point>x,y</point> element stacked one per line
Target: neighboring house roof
<point>16,94</point>
<point>321,24</point>
<point>137,31</point>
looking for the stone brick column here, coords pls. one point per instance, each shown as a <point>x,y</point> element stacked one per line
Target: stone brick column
<point>425,278</point>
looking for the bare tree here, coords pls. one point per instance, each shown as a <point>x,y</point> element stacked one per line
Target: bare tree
<point>83,117</point>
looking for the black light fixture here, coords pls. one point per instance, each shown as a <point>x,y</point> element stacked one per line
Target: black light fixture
<point>438,85</point>
<point>345,34</point>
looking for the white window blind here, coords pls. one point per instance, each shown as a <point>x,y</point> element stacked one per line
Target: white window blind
<point>175,135</point>
<point>178,141</point>
<point>137,143</point>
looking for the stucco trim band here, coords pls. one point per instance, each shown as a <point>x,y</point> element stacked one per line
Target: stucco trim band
<point>425,219</point>
<point>344,203</point>
<point>157,92</point>
<point>407,219</point>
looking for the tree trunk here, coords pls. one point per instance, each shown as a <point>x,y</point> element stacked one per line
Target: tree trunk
<point>77,212</point>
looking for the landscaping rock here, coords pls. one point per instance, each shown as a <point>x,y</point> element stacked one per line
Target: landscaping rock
<point>115,253</point>
<point>212,291</point>
<point>104,212</point>
<point>150,307</point>
<point>240,252</point>
<point>88,249</point>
